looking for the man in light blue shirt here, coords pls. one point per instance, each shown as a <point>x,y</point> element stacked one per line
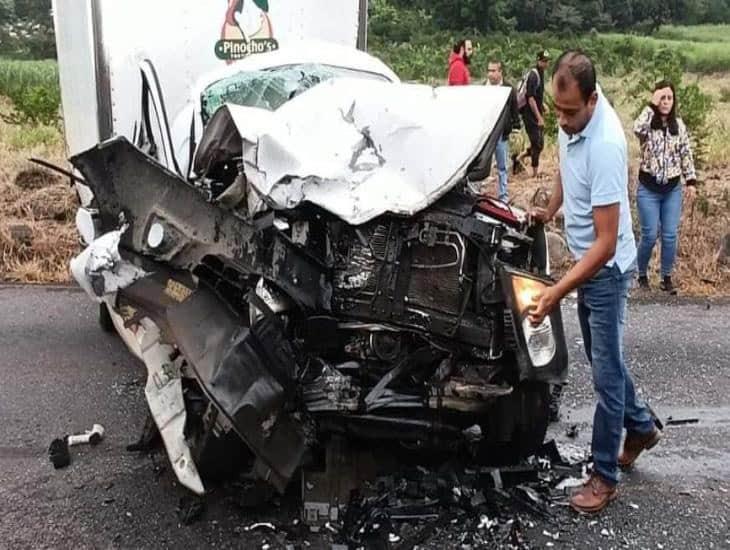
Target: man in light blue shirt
<point>592,187</point>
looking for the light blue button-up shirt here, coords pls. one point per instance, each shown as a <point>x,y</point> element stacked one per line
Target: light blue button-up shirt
<point>594,172</point>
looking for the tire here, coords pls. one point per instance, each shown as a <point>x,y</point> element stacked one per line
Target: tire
<point>517,424</point>
<point>105,319</point>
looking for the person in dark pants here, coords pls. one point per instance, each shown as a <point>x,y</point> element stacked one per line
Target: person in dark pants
<point>496,78</point>
<point>592,188</point>
<point>666,156</point>
<point>534,111</point>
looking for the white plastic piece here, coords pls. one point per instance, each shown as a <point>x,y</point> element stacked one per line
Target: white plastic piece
<point>85,225</point>
<point>92,436</point>
<point>101,262</point>
<point>156,235</point>
<point>86,195</point>
<point>165,399</point>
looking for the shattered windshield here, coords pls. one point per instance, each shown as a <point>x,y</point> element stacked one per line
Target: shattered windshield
<point>271,88</point>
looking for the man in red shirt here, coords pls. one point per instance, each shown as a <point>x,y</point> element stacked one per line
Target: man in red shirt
<point>459,63</point>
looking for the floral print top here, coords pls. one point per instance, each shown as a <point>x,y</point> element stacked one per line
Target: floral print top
<point>666,154</point>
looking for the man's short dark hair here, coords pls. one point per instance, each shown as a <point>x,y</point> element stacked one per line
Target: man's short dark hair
<point>460,44</point>
<point>495,61</point>
<point>576,66</point>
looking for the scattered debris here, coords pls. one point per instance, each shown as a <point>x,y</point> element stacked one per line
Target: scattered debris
<point>634,506</point>
<point>90,437</point>
<point>681,421</point>
<point>412,506</point>
<point>58,451</point>
<point>572,431</point>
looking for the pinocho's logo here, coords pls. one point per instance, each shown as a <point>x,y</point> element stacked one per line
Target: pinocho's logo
<point>247,30</point>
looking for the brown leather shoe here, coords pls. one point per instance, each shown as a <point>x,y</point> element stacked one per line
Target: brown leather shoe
<point>634,444</point>
<point>593,497</point>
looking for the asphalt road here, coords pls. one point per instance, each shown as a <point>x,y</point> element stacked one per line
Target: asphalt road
<point>59,374</point>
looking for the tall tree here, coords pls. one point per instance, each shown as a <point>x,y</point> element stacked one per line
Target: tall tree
<point>35,10</point>
<point>7,11</point>
<point>718,11</point>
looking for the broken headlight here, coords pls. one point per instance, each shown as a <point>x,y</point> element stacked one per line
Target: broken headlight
<point>541,352</point>
<point>539,339</point>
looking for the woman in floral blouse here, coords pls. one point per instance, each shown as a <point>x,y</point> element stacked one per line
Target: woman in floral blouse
<point>666,157</point>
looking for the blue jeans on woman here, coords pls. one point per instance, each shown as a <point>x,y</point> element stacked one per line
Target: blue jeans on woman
<point>602,316</point>
<point>658,210</point>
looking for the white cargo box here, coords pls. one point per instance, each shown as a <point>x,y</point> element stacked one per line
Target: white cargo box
<point>102,44</point>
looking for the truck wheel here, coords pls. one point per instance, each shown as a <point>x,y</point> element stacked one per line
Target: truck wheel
<point>105,319</point>
<point>517,424</point>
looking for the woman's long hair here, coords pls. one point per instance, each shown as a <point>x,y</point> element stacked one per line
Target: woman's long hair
<point>656,123</point>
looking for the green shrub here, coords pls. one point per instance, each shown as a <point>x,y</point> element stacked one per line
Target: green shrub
<point>33,88</point>
<point>35,105</point>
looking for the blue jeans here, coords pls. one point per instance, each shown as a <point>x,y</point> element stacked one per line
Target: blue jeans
<point>602,316</point>
<point>658,210</point>
<point>501,153</point>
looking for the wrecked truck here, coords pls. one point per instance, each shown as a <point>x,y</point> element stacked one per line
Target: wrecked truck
<point>325,269</point>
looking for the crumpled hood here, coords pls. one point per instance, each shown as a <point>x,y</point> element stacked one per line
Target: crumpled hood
<point>357,148</point>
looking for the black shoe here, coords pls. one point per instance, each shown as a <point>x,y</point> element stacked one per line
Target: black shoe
<point>667,286</point>
<point>644,282</point>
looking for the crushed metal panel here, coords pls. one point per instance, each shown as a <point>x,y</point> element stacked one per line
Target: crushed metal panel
<point>251,386</point>
<point>127,182</point>
<point>361,148</point>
